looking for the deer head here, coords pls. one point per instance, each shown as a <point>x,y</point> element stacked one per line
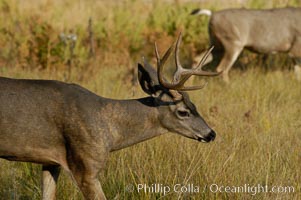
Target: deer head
<point>176,112</point>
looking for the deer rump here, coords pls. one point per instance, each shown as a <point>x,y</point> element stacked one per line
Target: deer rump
<point>261,31</point>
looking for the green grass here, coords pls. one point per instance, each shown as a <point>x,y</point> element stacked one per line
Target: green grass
<point>257,116</point>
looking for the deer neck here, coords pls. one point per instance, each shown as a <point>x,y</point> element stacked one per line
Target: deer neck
<point>133,121</point>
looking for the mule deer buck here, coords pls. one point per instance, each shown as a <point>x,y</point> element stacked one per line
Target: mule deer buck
<point>261,31</point>
<point>62,125</point>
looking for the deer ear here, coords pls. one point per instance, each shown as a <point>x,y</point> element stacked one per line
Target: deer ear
<point>146,81</point>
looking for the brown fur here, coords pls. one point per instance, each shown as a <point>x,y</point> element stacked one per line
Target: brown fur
<point>261,31</point>
<point>62,125</point>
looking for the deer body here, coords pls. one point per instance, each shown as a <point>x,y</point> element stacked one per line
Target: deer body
<point>62,125</point>
<point>261,31</point>
<point>52,112</point>
<point>58,124</point>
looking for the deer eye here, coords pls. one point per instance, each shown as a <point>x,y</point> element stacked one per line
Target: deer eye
<point>183,113</point>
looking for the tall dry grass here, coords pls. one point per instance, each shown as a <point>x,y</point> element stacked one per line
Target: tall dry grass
<point>257,116</point>
<point>258,120</point>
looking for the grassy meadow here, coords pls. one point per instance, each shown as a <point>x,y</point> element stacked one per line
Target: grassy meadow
<point>257,116</point>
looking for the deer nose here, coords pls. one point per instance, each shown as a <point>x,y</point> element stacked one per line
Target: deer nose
<point>211,135</point>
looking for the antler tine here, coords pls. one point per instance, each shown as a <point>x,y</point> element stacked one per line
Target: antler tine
<point>160,64</point>
<point>181,75</point>
<point>179,69</point>
<point>176,83</point>
<point>193,87</point>
<point>199,71</point>
<point>204,58</point>
<point>157,55</point>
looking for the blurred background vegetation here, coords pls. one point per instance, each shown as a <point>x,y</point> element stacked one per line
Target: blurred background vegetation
<point>88,35</point>
<point>97,44</point>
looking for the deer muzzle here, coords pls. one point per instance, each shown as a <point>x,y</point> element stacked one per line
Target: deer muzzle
<point>208,138</point>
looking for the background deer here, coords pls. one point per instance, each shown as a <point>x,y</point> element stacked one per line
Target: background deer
<point>261,31</point>
<point>62,125</point>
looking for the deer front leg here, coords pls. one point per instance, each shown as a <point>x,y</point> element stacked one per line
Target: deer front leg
<point>295,53</point>
<point>297,70</point>
<point>50,177</point>
<point>230,55</point>
<point>88,183</point>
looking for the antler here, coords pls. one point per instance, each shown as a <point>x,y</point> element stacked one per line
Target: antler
<point>181,75</point>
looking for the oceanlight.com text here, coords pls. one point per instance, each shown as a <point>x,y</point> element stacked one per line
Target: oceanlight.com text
<point>251,189</point>
<point>213,188</point>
